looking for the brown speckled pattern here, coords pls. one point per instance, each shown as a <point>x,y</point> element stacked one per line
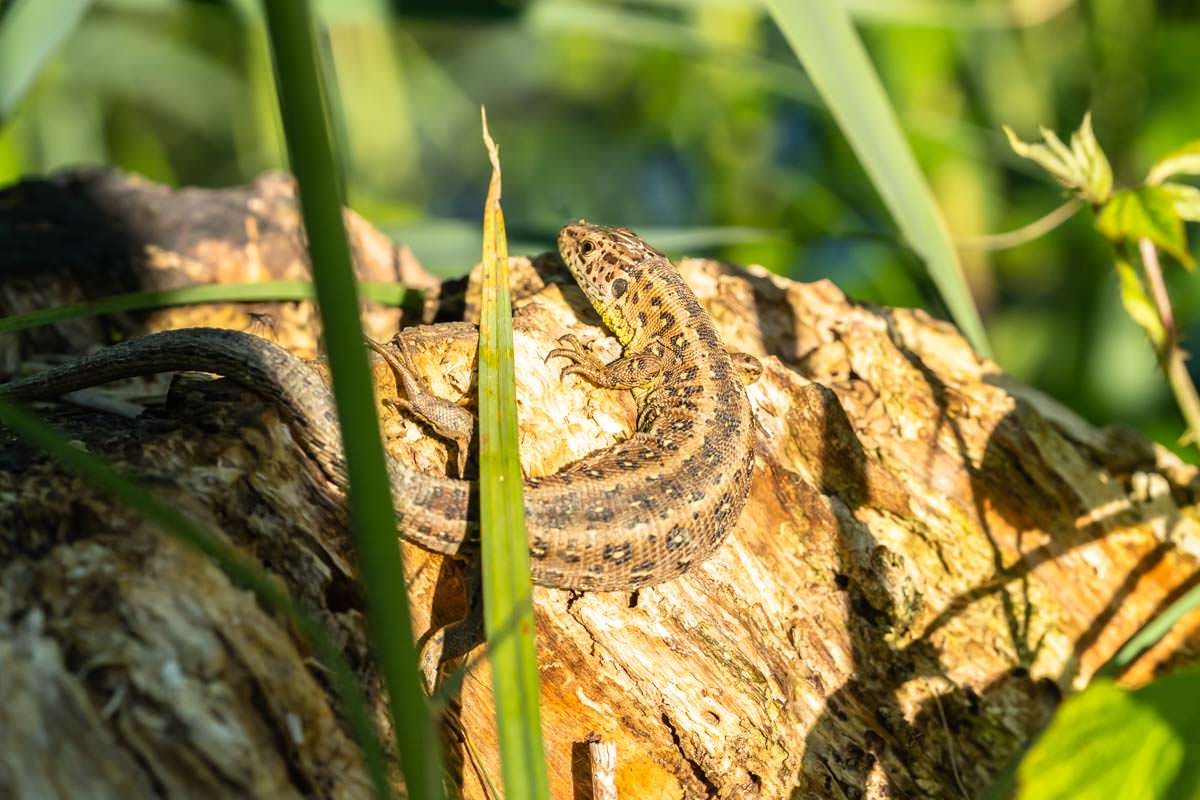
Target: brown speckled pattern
<point>640,512</point>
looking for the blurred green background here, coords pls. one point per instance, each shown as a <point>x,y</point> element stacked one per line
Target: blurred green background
<point>688,120</point>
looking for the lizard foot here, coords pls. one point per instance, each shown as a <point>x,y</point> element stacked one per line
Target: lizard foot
<point>455,639</point>
<point>627,372</point>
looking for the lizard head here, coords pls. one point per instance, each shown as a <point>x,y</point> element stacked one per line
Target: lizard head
<point>606,263</point>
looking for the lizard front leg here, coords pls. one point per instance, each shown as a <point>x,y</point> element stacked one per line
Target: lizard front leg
<point>635,370</point>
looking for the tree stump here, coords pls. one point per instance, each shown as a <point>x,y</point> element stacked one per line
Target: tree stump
<point>930,557</point>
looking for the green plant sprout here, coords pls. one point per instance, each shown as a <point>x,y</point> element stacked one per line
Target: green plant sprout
<point>1138,222</point>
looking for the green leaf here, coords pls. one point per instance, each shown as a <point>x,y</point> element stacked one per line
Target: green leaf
<point>1097,172</point>
<point>1064,155</point>
<point>1082,168</point>
<point>822,36</point>
<point>384,293</point>
<point>1138,305</point>
<point>1049,160</point>
<point>507,590</point>
<point>1147,212</point>
<point>31,32</point>
<point>1182,161</point>
<point>1108,742</point>
<point>1186,199</point>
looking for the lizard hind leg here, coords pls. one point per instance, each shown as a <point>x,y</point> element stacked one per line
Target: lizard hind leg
<point>748,367</point>
<point>447,420</point>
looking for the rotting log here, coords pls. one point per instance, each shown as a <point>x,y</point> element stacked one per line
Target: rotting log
<point>931,555</point>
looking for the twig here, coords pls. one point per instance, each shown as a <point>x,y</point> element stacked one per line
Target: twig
<point>1158,290</point>
<point>603,756</point>
<point>1170,355</point>
<point>937,701</point>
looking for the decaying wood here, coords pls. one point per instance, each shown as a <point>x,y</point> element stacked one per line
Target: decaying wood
<point>930,557</point>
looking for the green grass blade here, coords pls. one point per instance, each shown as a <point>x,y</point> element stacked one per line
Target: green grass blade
<point>507,591</point>
<point>688,240</point>
<point>823,38</point>
<point>174,522</point>
<point>31,31</point>
<point>1149,635</point>
<point>310,147</point>
<point>941,14</point>
<point>624,26</point>
<point>388,294</point>
<point>445,245</point>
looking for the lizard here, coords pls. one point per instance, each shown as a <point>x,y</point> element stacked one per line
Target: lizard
<point>640,512</point>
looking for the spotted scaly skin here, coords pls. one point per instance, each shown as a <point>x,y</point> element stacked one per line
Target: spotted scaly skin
<point>643,511</point>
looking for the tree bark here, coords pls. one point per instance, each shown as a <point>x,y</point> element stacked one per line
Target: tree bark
<point>932,554</point>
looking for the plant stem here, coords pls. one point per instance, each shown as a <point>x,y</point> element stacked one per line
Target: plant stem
<point>1171,356</point>
<point>1026,233</point>
<point>291,28</point>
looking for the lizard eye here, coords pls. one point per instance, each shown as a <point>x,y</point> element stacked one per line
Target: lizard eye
<point>587,247</point>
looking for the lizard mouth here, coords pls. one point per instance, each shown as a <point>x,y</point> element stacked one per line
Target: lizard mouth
<point>581,244</point>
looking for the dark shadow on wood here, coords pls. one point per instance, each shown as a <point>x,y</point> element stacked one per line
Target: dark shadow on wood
<point>581,771</point>
<point>841,756</point>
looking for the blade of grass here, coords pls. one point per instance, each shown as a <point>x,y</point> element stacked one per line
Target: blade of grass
<point>822,36</point>
<point>444,245</point>
<point>388,294</point>
<point>303,105</point>
<point>625,26</point>
<point>108,58</point>
<point>941,14</point>
<point>507,591</point>
<point>1149,635</point>
<point>925,13</point>
<point>700,237</point>
<point>31,31</point>
<point>174,522</point>
<point>629,27</point>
